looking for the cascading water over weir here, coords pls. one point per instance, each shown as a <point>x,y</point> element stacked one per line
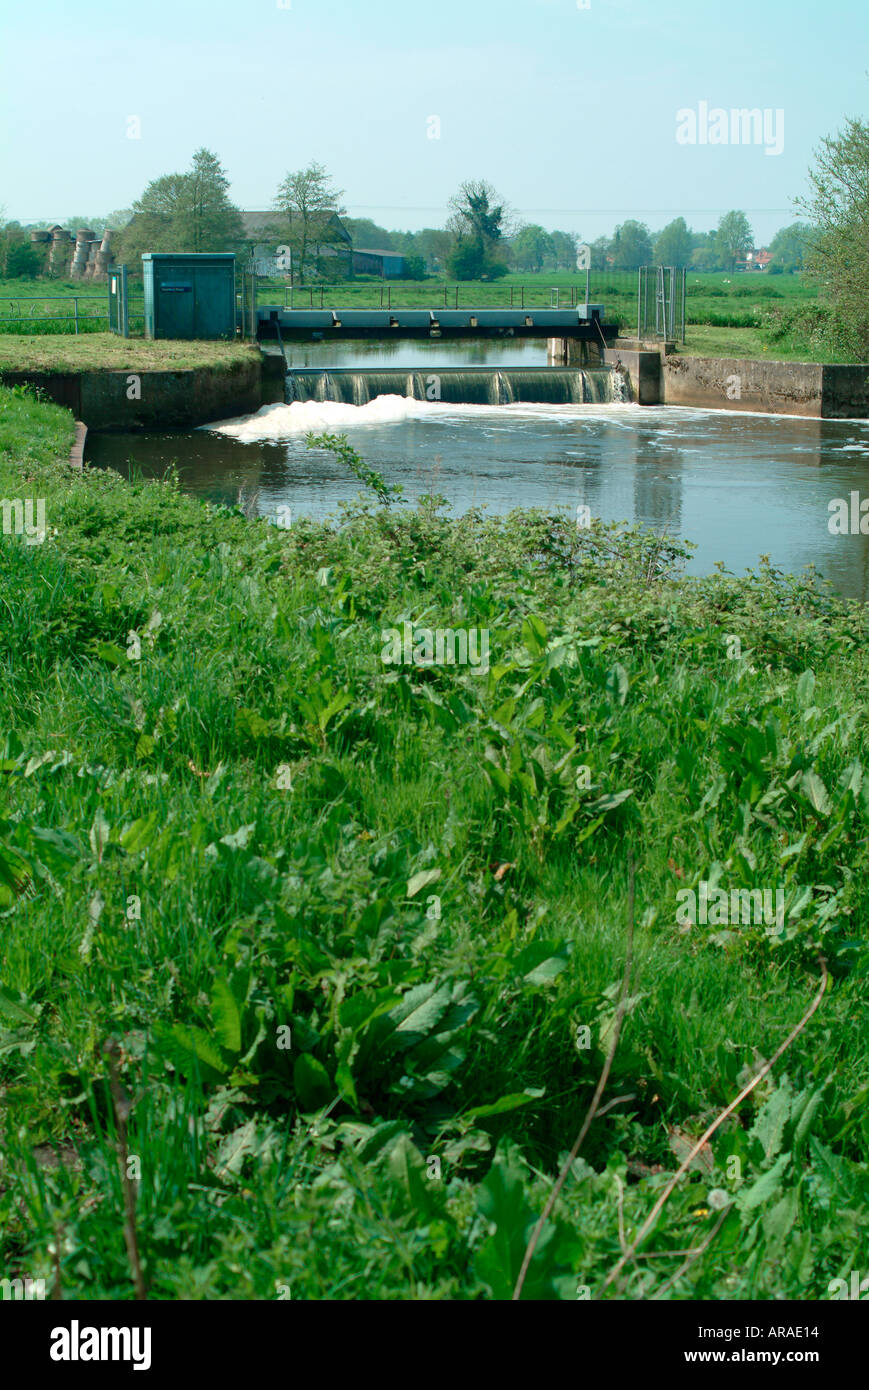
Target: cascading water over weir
<point>462,385</point>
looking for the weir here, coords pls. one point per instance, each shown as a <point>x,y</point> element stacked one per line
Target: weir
<point>461,385</point>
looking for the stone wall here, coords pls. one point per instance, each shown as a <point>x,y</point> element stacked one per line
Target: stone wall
<point>153,400</point>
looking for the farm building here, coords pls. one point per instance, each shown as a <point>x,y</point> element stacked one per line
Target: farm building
<point>389,265</point>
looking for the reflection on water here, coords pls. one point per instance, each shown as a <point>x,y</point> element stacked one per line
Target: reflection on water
<point>738,485</point>
<point>400,353</point>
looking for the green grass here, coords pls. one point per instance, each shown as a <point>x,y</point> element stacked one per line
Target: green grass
<point>358,928</point>
<point>63,352</point>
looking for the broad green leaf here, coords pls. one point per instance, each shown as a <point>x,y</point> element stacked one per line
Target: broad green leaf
<point>225,1015</point>
<point>234,1148</point>
<point>422,880</point>
<point>100,833</point>
<point>766,1186</point>
<point>15,871</point>
<point>311,1080</point>
<point>534,634</point>
<point>608,802</point>
<point>140,833</point>
<point>239,838</point>
<point>617,683</point>
<point>505,1104</point>
<point>408,1170</point>
<point>806,688</point>
<point>11,1008</point>
<point>504,1205</point>
<point>108,651</point>
<point>769,1127</point>
<point>815,792</point>
<point>193,1050</point>
<point>420,1010</point>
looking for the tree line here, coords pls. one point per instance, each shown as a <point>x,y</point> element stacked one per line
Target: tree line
<point>483,239</point>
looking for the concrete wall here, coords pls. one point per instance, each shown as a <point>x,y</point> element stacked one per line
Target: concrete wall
<point>846,392</point>
<point>160,400</point>
<point>728,383</point>
<point>644,370</point>
<point>779,388</point>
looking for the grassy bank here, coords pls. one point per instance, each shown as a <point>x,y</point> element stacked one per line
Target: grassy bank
<point>358,929</point>
<point>64,352</point>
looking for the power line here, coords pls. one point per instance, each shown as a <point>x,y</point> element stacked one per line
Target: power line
<point>584,212</point>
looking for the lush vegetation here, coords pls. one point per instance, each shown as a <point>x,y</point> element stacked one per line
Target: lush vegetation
<point>838,256</point>
<point>355,934</point>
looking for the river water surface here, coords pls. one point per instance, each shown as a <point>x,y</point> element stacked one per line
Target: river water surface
<point>737,485</point>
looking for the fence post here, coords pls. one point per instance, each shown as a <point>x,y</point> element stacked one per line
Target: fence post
<point>75,312</point>
<point>639,298</point>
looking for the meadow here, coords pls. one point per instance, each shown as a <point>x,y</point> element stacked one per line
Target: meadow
<point>750,315</point>
<point>311,965</point>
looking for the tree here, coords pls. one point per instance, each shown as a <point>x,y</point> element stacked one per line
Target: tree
<point>601,251</point>
<point>631,245</point>
<point>184,212</point>
<point>564,246</point>
<point>789,245</point>
<point>206,219</point>
<point>734,238</point>
<point>466,259</point>
<point>478,224</point>
<point>705,258</point>
<point>532,247</point>
<point>414,268</point>
<point>479,212</point>
<point>674,244</point>
<point>434,244</point>
<point>22,262</point>
<point>368,234</point>
<point>308,202</point>
<point>837,258</point>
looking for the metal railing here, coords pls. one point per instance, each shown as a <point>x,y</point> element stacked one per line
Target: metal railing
<point>618,288</point>
<point>79,311</point>
<point>661,296</point>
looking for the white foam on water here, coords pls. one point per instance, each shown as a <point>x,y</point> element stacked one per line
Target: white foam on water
<point>278,422</point>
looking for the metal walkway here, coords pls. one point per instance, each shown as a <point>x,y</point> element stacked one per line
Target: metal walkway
<point>584,322</point>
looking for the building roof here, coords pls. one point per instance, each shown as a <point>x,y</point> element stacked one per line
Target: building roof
<point>256,223</point>
<point>369,251</point>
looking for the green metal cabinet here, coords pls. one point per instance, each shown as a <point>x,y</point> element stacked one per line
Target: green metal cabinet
<point>189,296</point>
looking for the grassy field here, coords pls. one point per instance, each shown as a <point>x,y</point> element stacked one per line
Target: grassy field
<point>726,315</point>
<point>355,932</point>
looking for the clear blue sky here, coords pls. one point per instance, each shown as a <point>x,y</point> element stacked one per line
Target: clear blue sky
<point>569,111</point>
